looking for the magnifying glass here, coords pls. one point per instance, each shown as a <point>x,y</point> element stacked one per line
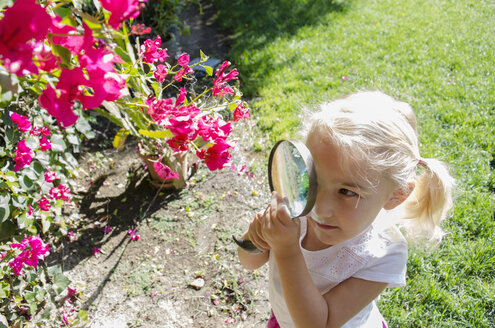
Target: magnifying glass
<point>291,174</point>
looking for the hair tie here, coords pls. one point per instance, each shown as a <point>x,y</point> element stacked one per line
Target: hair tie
<point>422,163</point>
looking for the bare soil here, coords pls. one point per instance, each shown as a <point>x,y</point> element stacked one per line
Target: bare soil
<point>185,236</point>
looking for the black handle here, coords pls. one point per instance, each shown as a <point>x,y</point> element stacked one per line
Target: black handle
<point>247,245</point>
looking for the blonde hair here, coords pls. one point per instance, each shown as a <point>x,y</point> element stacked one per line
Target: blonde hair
<point>374,129</point>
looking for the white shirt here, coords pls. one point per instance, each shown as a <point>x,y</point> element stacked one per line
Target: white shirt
<point>375,255</point>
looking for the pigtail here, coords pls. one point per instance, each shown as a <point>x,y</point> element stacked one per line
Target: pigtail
<point>430,202</point>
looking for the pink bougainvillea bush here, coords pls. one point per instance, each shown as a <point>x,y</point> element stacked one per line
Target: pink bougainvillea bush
<point>56,63</point>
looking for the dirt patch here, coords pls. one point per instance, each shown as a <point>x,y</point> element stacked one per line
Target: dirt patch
<point>183,271</point>
<point>184,236</point>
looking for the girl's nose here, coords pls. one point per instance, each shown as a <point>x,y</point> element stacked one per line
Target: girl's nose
<point>323,205</point>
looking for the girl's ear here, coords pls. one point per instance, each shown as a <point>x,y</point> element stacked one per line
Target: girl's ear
<point>399,196</point>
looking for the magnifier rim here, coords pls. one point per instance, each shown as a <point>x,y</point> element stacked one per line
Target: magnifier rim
<point>308,161</point>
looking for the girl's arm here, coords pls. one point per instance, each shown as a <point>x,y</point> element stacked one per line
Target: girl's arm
<point>253,261</point>
<point>308,308</point>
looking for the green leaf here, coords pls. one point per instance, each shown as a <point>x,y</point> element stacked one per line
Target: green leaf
<point>119,139</point>
<point>83,315</point>
<point>64,55</point>
<point>73,139</point>
<point>7,229</point>
<point>46,221</point>
<point>82,125</point>
<point>125,57</point>
<point>37,168</point>
<point>203,56</point>
<point>26,183</point>
<point>209,70</point>
<point>4,206</point>
<point>60,282</point>
<point>71,160</point>
<point>58,143</point>
<point>157,134</point>
<point>4,290</point>
<point>23,221</point>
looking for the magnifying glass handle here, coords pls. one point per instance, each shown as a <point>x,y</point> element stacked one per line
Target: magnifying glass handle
<point>247,245</point>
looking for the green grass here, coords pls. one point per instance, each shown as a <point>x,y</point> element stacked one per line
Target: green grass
<point>437,55</point>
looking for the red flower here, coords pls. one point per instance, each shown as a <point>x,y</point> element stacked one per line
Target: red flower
<point>140,29</point>
<point>45,144</point>
<point>122,10</point>
<point>183,71</point>
<point>183,60</point>
<point>220,87</point>
<point>164,171</point>
<point>23,155</point>
<point>21,121</point>
<point>33,250</point>
<point>22,23</point>
<point>44,204</point>
<point>50,176</point>
<point>240,112</point>
<point>217,156</point>
<point>47,61</point>
<point>160,73</point>
<point>151,51</point>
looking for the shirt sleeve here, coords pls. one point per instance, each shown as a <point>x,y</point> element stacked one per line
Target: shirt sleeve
<point>388,267</point>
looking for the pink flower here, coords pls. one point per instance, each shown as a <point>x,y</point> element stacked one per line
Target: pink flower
<point>178,143</point>
<point>240,112</point>
<point>30,210</point>
<point>160,73</point>
<point>183,71</point>
<point>107,229</point>
<point>47,61</point>
<point>65,320</point>
<point>22,25</point>
<point>344,78</point>
<point>50,176</point>
<point>71,235</point>
<point>140,29</point>
<point>61,192</point>
<point>135,237</point>
<point>220,87</point>
<point>44,204</point>
<point>229,320</point>
<point>2,255</point>
<point>64,192</point>
<point>151,51</point>
<point>23,155</point>
<point>132,232</point>
<point>211,130</point>
<point>66,36</point>
<point>45,144</point>
<point>216,156</point>
<point>71,292</point>
<point>21,121</point>
<point>33,250</point>
<point>164,171</point>
<point>183,60</point>
<point>96,251</point>
<point>122,10</point>
<point>45,131</point>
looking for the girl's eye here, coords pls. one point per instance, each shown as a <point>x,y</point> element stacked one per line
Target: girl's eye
<point>347,192</point>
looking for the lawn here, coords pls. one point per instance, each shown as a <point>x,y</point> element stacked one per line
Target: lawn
<point>439,56</point>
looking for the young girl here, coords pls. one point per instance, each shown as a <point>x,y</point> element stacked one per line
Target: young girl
<point>326,269</point>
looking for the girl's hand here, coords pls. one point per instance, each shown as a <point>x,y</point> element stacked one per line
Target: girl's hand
<point>279,231</point>
<point>255,235</point>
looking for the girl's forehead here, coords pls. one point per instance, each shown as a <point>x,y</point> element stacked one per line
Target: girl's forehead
<point>352,165</point>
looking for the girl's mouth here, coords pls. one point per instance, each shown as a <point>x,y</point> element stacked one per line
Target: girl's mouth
<point>325,226</point>
<point>317,220</point>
